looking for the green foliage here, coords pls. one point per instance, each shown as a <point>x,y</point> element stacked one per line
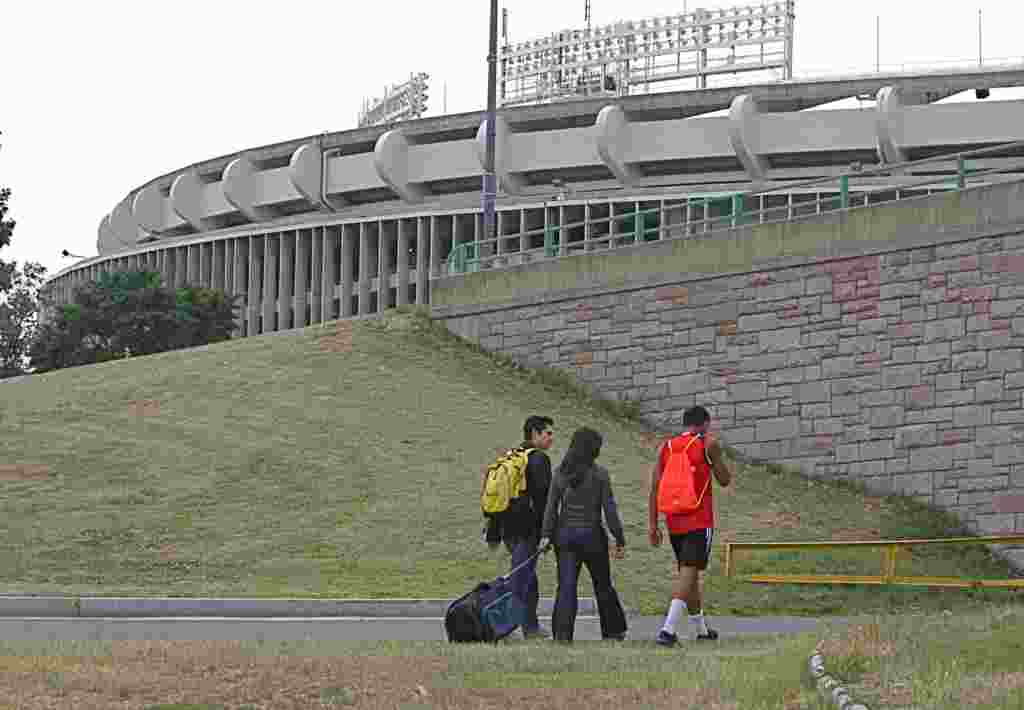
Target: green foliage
<point>19,308</point>
<point>124,314</point>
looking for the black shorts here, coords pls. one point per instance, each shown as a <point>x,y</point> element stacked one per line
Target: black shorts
<point>693,549</point>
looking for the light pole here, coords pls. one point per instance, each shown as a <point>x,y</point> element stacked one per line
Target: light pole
<point>490,182</point>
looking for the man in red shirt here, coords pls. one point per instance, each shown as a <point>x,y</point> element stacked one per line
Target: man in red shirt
<point>690,533</point>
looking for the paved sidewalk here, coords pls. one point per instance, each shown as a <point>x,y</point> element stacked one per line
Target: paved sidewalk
<point>68,606</point>
<point>322,629</point>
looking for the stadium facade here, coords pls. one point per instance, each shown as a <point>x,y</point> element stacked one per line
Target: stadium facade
<point>351,223</point>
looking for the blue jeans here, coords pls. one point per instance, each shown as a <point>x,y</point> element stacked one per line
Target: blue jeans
<point>574,548</point>
<point>524,582</point>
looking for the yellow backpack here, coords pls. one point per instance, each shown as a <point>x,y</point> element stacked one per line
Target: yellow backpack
<point>504,481</point>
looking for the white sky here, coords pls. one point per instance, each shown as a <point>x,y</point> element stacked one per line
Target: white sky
<point>99,97</point>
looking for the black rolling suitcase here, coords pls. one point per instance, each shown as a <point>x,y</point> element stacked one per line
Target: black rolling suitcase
<point>488,613</point>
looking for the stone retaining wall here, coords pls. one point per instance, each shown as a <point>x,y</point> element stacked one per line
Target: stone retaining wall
<point>903,368</point>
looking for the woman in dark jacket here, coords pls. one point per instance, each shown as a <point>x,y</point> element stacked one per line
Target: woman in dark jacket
<point>580,491</point>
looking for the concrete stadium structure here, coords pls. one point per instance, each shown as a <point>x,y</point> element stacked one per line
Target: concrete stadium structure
<point>312,229</point>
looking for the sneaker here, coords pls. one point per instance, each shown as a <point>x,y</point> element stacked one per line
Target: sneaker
<point>711,635</point>
<point>664,638</point>
<point>615,637</point>
<point>538,633</point>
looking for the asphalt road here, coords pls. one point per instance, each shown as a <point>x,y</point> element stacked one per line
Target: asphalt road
<point>345,629</point>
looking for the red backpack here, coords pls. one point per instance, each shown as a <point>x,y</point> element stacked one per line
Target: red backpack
<point>677,491</point>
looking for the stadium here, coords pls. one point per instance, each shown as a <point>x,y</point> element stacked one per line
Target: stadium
<point>353,222</point>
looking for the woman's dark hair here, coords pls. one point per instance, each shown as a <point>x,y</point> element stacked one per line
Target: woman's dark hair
<point>578,460</point>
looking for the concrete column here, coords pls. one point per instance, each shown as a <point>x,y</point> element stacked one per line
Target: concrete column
<point>743,134</point>
<point>499,246</point>
<point>422,260</point>
<point>563,235</point>
<point>240,183</point>
<point>239,283</point>
<point>384,239</point>
<point>180,267</point>
<point>271,245</point>
<point>391,160</point>
<point>611,135</point>
<point>192,273</point>
<point>219,257</point>
<point>509,182</point>
<point>204,265</point>
<point>302,245</point>
<point>331,239</point>
<point>253,295</point>
<point>889,106</point>
<point>435,248</point>
<point>286,271</point>
<point>524,239</point>
<point>349,235</point>
<point>209,253</point>
<point>228,258</point>
<point>316,267</point>
<point>365,274</point>
<point>402,291</point>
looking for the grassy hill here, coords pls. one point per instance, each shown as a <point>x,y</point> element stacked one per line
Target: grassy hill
<point>345,462</point>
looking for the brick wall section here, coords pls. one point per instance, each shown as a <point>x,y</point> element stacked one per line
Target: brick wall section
<point>903,369</point>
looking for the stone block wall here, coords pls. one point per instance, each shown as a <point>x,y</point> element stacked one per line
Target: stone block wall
<point>902,368</point>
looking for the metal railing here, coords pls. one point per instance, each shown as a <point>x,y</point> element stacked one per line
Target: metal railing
<point>735,210</point>
<point>892,550</point>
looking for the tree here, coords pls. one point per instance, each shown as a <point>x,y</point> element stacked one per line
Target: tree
<point>127,314</point>
<point>19,292</point>
<point>19,317</point>
<point>6,230</point>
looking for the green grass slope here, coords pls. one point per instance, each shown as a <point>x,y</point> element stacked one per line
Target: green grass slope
<point>313,463</point>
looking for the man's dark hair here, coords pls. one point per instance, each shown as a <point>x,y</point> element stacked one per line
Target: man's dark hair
<point>536,424</point>
<point>695,416</point>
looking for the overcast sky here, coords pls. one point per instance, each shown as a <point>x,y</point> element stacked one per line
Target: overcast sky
<point>99,97</point>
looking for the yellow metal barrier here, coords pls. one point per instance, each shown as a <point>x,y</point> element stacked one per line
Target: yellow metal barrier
<point>890,549</point>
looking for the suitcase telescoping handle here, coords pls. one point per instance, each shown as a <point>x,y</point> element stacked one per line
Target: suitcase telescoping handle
<point>527,561</point>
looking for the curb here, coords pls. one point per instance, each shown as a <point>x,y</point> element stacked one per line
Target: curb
<point>831,688</point>
<point>149,607</point>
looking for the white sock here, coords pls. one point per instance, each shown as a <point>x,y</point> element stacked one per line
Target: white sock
<point>698,621</point>
<point>675,612</point>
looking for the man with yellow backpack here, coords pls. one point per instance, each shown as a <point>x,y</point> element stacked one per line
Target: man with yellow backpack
<point>681,491</point>
<point>512,497</point>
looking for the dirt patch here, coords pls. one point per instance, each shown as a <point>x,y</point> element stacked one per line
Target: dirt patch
<point>872,505</point>
<point>985,690</point>
<point>24,472</point>
<point>340,341</point>
<point>854,534</point>
<point>142,674</point>
<point>168,552</point>
<point>144,407</point>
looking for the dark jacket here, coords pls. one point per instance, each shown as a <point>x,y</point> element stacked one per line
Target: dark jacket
<point>525,515</point>
<point>581,507</point>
